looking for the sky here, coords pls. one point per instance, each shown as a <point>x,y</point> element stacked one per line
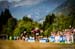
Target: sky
<point>35,9</point>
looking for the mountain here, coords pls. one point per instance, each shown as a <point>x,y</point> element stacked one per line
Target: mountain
<point>67,7</point>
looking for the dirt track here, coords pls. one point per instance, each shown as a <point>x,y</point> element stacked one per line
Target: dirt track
<point>25,45</point>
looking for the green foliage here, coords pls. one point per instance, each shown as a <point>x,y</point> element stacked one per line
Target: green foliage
<point>62,22</point>
<point>72,14</point>
<point>58,22</point>
<point>25,18</point>
<point>48,21</point>
<point>10,26</point>
<point>25,23</point>
<point>7,23</point>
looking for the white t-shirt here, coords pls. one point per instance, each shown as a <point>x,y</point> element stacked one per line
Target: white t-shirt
<point>57,39</point>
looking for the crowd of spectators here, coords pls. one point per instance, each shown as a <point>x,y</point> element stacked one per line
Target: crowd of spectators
<point>65,36</point>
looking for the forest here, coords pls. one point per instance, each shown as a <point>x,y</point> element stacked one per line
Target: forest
<point>53,22</point>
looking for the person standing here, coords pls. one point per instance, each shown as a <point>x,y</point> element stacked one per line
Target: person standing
<point>57,37</point>
<point>23,35</point>
<point>52,37</point>
<point>36,33</point>
<point>68,37</point>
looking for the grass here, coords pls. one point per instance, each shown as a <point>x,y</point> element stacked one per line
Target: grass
<point>19,44</point>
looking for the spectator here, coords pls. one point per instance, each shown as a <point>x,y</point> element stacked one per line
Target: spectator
<point>57,37</point>
<point>52,37</point>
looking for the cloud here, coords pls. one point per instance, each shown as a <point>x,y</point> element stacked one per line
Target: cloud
<point>14,0</point>
<point>29,16</point>
<point>26,2</point>
<point>3,0</point>
<point>11,0</point>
